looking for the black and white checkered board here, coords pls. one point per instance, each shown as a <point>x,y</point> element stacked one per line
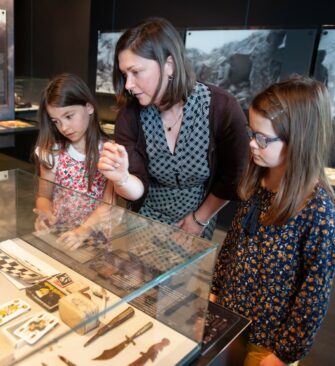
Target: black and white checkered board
<point>15,269</point>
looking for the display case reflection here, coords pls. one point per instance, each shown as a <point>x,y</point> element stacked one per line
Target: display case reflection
<point>151,280</point>
<point>127,252</point>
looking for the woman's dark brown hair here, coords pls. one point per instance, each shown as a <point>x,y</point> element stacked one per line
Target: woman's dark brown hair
<point>156,39</point>
<point>299,110</point>
<point>62,91</point>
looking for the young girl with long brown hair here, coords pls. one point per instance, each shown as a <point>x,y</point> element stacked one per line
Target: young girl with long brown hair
<point>277,263</point>
<point>68,149</point>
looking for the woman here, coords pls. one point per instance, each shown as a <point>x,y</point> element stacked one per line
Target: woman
<point>180,145</point>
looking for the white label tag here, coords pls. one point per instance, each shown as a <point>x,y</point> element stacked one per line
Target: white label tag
<point>4,175</point>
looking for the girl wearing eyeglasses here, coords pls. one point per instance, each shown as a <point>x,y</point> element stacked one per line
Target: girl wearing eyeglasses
<point>277,263</point>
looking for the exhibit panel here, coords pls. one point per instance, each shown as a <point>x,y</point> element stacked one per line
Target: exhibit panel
<point>325,72</point>
<point>245,61</point>
<point>134,290</point>
<point>105,61</point>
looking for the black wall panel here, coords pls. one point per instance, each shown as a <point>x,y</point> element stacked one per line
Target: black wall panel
<point>102,18</point>
<point>23,37</point>
<point>185,13</point>
<point>292,14</point>
<point>61,35</point>
<point>52,37</point>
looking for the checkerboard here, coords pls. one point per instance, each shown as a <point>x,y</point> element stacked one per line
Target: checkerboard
<point>14,268</point>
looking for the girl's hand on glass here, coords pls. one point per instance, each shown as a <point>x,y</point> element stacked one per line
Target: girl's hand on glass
<point>189,225</point>
<point>75,238</point>
<point>213,298</point>
<point>272,360</point>
<point>44,220</point>
<point>113,162</point>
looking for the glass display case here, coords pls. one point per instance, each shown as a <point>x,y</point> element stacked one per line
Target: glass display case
<point>97,284</point>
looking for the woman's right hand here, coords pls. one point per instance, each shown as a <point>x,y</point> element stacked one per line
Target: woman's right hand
<point>113,162</point>
<point>44,220</point>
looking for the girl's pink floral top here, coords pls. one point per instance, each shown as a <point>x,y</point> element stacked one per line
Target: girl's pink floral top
<point>70,208</point>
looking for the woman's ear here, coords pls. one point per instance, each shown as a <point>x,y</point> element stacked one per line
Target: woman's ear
<point>169,66</point>
<point>89,108</point>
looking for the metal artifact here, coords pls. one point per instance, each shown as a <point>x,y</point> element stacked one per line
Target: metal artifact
<point>115,322</point>
<point>151,353</point>
<point>112,352</point>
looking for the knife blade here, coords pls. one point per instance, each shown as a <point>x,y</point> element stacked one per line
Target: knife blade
<point>116,321</point>
<point>112,352</point>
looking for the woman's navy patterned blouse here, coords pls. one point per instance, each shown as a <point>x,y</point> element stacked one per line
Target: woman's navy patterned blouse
<point>279,277</point>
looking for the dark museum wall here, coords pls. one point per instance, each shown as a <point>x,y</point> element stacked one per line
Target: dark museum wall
<point>61,35</point>
<point>51,36</point>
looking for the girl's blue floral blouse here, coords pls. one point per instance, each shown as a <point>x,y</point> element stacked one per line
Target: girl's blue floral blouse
<point>280,277</point>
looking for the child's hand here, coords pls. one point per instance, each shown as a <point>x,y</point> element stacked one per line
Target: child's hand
<point>75,238</point>
<point>44,220</point>
<point>113,162</point>
<point>272,360</point>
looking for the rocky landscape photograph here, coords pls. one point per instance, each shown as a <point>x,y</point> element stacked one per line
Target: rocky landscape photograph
<point>246,61</point>
<point>105,61</point>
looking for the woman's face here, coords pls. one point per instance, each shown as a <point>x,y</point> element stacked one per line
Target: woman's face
<point>142,76</point>
<point>273,155</point>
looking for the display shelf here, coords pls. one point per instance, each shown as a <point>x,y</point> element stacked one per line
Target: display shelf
<point>157,270</point>
<point>16,126</point>
<point>62,340</point>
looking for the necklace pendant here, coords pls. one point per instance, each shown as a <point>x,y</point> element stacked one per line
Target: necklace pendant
<point>169,129</point>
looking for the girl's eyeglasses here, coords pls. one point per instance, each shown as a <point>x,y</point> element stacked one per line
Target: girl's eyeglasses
<point>262,141</point>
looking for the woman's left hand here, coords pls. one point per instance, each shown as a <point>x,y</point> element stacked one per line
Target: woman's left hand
<point>190,226</point>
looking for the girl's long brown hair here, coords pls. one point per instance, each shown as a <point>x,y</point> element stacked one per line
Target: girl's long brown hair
<point>62,91</point>
<point>299,109</point>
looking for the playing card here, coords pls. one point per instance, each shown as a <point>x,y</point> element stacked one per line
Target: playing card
<point>12,309</point>
<point>45,294</point>
<point>61,280</point>
<point>36,327</point>
<point>10,332</point>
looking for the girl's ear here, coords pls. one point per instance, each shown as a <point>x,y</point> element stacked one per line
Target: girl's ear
<point>89,108</point>
<point>169,66</point>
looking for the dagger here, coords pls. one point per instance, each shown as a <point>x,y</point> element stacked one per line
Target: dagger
<point>110,353</point>
<point>118,320</point>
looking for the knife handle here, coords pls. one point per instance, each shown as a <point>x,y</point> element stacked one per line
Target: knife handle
<point>119,319</point>
<point>141,331</point>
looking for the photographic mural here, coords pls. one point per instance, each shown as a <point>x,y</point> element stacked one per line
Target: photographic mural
<point>3,58</point>
<point>105,60</point>
<point>246,61</point>
<point>324,70</point>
